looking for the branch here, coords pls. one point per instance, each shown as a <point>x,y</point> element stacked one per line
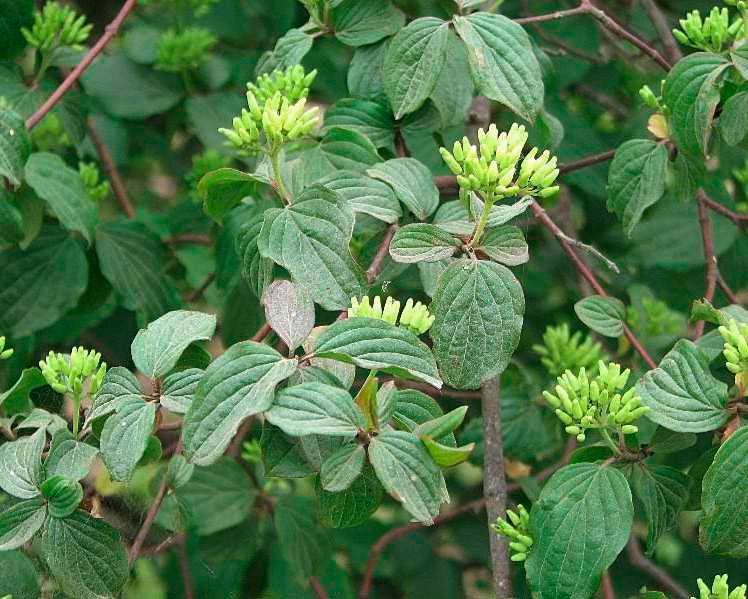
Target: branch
<point>672,50</point>
<point>662,578</point>
<point>110,31</point>
<point>317,587</point>
<point>186,238</point>
<point>198,293</point>
<point>712,271</point>
<point>433,391</point>
<point>739,219</point>
<point>553,16</point>
<point>494,484</point>
<point>150,516</point>
<point>188,586</point>
<point>118,186</point>
<point>377,263</point>
<point>606,586</point>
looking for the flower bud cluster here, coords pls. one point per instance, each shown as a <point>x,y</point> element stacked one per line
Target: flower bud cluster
<point>186,50</point>
<point>583,402</point>
<point>292,83</point>
<point>4,353</point>
<point>270,123</point>
<point>711,34</point>
<point>68,373</point>
<point>735,350</point>
<point>720,589</point>
<point>562,351</point>
<point>57,26</point>
<point>415,316</point>
<point>491,168</point>
<point>89,173</point>
<point>516,531</point>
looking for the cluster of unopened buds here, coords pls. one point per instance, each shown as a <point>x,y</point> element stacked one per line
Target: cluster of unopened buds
<point>415,316</point>
<point>713,33</point>
<point>57,26</point>
<point>490,169</point>
<point>180,51</point>
<point>91,178</point>
<point>271,122</point>
<point>68,373</point>
<point>292,83</point>
<point>563,351</point>
<point>720,589</point>
<point>515,529</point>
<point>584,402</point>
<point>4,353</point>
<point>735,351</point>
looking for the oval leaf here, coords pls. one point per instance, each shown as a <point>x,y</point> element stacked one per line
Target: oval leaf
<point>422,242</point>
<point>342,468</point>
<point>604,315</point>
<point>289,311</point>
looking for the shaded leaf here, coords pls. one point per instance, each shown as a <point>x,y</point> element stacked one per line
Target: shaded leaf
<point>604,315</point>
<point>289,311</point>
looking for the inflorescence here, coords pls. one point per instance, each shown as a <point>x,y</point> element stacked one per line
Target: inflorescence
<point>415,316</point>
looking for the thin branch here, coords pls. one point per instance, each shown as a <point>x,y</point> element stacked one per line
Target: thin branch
<point>110,31</point>
<point>664,30</point>
<point>150,516</point>
<point>187,238</point>
<point>606,586</point>
<point>588,275</point>
<point>198,293</point>
<point>705,224</point>
<point>434,392</point>
<point>317,587</point>
<point>553,16</point>
<point>569,167</point>
<point>662,578</point>
<point>107,161</point>
<point>263,332</point>
<point>167,543</point>
<point>736,217</point>
<point>731,296</point>
<point>383,250</point>
<point>494,484</point>
<point>188,585</point>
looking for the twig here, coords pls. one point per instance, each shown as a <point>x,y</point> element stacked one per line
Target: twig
<point>705,225</point>
<point>383,250</point>
<point>731,296</point>
<point>494,484</point>
<point>569,167</point>
<point>198,293</point>
<point>664,30</point>
<point>188,586</point>
<point>110,31</point>
<point>317,587</point>
<point>588,275</point>
<point>608,102</point>
<point>263,332</point>
<point>118,186</point>
<point>148,522</point>
<point>736,217</point>
<point>662,578</point>
<point>235,447</point>
<point>186,238</point>
<point>167,543</point>
<point>434,392</point>
<point>553,16</point>
<point>606,586</point>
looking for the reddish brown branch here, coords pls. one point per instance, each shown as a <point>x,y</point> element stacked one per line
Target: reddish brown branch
<point>736,217</point>
<point>110,31</point>
<point>188,585</point>
<point>198,293</point>
<point>187,238</point>
<point>263,332</point>
<point>553,16</point>
<point>434,392</point>
<point>383,250</point>
<point>705,224</point>
<point>317,587</point>
<point>662,578</point>
<point>150,516</point>
<point>107,161</point>
<point>606,586</point>
<point>664,30</point>
<point>569,167</point>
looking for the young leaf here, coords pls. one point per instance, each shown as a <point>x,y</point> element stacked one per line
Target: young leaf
<point>412,183</point>
<point>505,244</point>
<point>739,57</point>
<point>355,505</point>
<point>408,473</point>
<point>21,468</point>
<point>125,436</point>
<point>310,239</point>
<point>69,458</point>
<point>63,495</point>
<point>241,382</point>
<point>385,403</point>
<point>365,22</point>
<point>422,242</point>
<point>724,526</point>
<point>15,146</point>
<point>30,379</point>
<point>412,64</point>
<point>20,522</point>
<point>478,307</point>
<point>179,388</point>
<point>156,349</point>
<point>503,62</point>
<point>85,555</point>
<point>119,386</point>
<point>636,180</point>
<point>289,311</point>
<point>377,345</point>
<point>692,92</point>
<point>223,189</point>
<point>604,315</point>
<point>681,392</point>
<point>415,407</point>
<point>316,409</point>
<point>446,456</point>
<point>342,468</point>
<point>580,523</point>
<point>442,425</point>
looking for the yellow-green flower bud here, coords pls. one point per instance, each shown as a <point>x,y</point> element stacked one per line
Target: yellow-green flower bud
<point>720,589</point>
<point>735,351</point>
<point>416,317</point>
<point>4,353</point>
<point>515,529</point>
<point>57,26</point>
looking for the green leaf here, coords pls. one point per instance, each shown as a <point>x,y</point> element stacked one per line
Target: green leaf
<point>157,348</point>
<point>636,180</point>
<point>505,244</point>
<point>63,495</point>
<point>363,22</point>
<point>604,315</point>
<point>692,92</point>
<point>660,492</point>
<point>580,523</point>
<point>20,577</point>
<point>453,217</point>
<point>30,379</point>
<point>132,259</point>
<point>15,143</point>
<point>740,60</point>
<point>666,441</point>
<point>119,386</point>
<point>39,285</point>
<point>208,113</point>
<point>21,468</point>
<point>289,311</point>
<point>11,219</point>
<point>365,195</point>
<point>180,471</point>
<point>256,270</point>
<point>412,183</point>
<point>447,456</point>
<point>125,436</point>
<point>422,242</point>
<point>453,92</point>
<point>408,473</point>
<point>441,425</point>
<point>377,345</point>
<point>289,50</point>
<point>241,382</point>
<point>316,409</point>
<point>412,64</point>
<point>733,121</point>
<point>415,407</point>
<point>70,458</point>
<point>14,14</point>
<point>179,388</point>
<point>310,239</point>
<point>724,526</point>
<point>681,392</point>
<point>129,90</point>
<point>478,307</point>
<point>282,455</point>
<point>342,468</point>
<point>339,149</point>
<point>365,71</point>
<point>225,188</point>
<point>503,62</point>
<point>354,505</point>
<point>20,522</point>
<point>85,555</point>
<point>372,119</point>
<point>304,544</point>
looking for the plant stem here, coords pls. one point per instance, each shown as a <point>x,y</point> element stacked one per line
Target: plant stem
<point>279,186</point>
<point>609,441</point>
<point>76,413</point>
<point>482,222</point>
